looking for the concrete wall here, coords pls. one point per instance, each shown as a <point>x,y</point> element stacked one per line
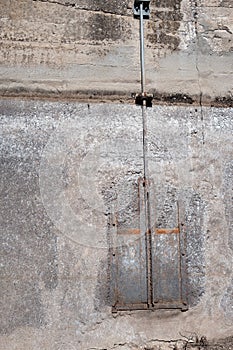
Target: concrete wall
<point>69,169</point>
<point>62,167</point>
<point>86,48</point>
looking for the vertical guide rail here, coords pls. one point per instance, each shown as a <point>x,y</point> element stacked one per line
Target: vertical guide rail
<point>142,50</point>
<point>148,240</point>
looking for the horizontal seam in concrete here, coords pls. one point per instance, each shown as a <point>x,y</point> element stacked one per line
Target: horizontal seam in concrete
<point>108,98</point>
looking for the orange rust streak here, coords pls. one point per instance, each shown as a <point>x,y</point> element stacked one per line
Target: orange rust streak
<point>165,231</point>
<point>131,231</point>
<point>158,231</point>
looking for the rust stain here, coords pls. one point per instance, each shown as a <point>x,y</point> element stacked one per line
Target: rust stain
<point>158,231</point>
<point>161,231</point>
<point>130,231</point>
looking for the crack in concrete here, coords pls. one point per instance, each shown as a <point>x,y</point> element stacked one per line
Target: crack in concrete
<point>220,29</point>
<point>112,347</point>
<point>82,8</point>
<point>192,341</point>
<point>224,29</point>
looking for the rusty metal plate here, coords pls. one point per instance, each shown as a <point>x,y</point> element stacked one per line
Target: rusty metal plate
<point>166,268</point>
<point>130,274</point>
<point>148,273</point>
<point>129,266</point>
<point>168,252</point>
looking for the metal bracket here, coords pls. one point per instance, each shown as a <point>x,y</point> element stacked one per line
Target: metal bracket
<point>146,9</point>
<point>140,98</point>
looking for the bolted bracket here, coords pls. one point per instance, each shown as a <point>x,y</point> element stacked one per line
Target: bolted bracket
<point>143,99</point>
<point>146,9</point>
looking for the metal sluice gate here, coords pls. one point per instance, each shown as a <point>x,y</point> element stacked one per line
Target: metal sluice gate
<point>147,263</point>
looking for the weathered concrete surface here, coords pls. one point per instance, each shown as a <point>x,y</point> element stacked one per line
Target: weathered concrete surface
<point>76,48</point>
<point>62,165</point>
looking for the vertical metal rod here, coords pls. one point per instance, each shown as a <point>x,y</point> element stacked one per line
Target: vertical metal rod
<point>142,49</point>
<point>179,250</point>
<point>148,238</point>
<point>144,136</point>
<point>148,241</point>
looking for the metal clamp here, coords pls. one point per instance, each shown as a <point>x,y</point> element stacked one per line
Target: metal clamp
<point>145,6</point>
<point>144,99</point>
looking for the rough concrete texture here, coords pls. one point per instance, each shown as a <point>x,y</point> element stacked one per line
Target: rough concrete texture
<point>65,167</point>
<point>90,48</point>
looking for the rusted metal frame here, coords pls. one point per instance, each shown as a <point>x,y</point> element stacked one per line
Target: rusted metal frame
<point>117,305</point>
<point>130,307</point>
<point>144,306</point>
<point>142,227</point>
<point>178,302</point>
<point>170,305</point>
<point>183,248</point>
<point>179,255</point>
<point>157,231</point>
<point>112,233</point>
<point>148,240</point>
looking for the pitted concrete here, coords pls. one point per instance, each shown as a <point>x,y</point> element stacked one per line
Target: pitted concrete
<point>55,287</point>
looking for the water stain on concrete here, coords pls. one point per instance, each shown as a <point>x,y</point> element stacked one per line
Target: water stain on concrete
<point>28,242</point>
<point>103,27</point>
<point>164,24</point>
